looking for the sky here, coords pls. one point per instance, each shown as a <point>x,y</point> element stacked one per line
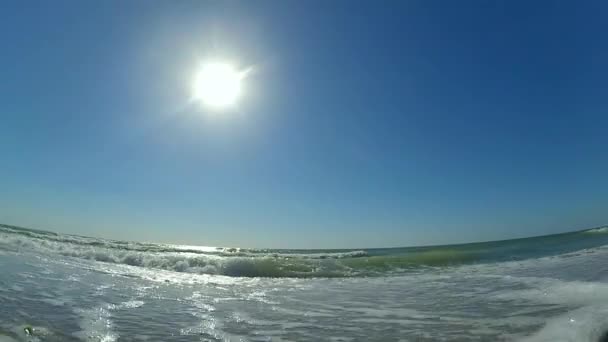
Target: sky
<point>361,123</point>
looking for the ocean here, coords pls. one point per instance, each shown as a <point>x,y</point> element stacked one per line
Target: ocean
<point>56,287</point>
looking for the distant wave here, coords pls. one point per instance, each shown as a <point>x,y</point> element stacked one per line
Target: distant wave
<point>597,230</point>
<point>163,248</point>
<point>287,263</point>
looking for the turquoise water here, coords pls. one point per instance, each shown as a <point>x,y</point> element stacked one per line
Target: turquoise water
<point>74,288</point>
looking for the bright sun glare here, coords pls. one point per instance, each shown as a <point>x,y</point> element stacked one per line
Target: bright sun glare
<point>217,85</point>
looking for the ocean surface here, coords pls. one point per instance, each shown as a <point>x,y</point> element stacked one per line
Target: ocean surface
<point>56,287</point>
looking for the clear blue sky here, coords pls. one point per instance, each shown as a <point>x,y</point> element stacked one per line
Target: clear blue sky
<point>363,123</point>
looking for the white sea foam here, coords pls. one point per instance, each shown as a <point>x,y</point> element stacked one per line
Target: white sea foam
<point>96,325</point>
<point>583,325</point>
<point>553,291</point>
<point>132,304</point>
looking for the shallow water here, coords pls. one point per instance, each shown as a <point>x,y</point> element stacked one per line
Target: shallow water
<point>71,288</point>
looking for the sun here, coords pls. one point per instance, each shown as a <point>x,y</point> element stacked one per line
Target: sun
<point>217,85</point>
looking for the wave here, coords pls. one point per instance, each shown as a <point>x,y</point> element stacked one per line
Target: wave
<point>163,248</point>
<point>598,230</point>
<point>238,266</point>
<point>228,261</point>
<point>289,263</point>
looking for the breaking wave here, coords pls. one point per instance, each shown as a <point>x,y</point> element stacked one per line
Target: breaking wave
<point>280,263</point>
<point>597,230</point>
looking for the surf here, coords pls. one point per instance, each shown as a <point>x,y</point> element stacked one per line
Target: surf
<point>285,263</point>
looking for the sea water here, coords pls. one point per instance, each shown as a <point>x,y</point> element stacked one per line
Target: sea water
<point>57,287</point>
